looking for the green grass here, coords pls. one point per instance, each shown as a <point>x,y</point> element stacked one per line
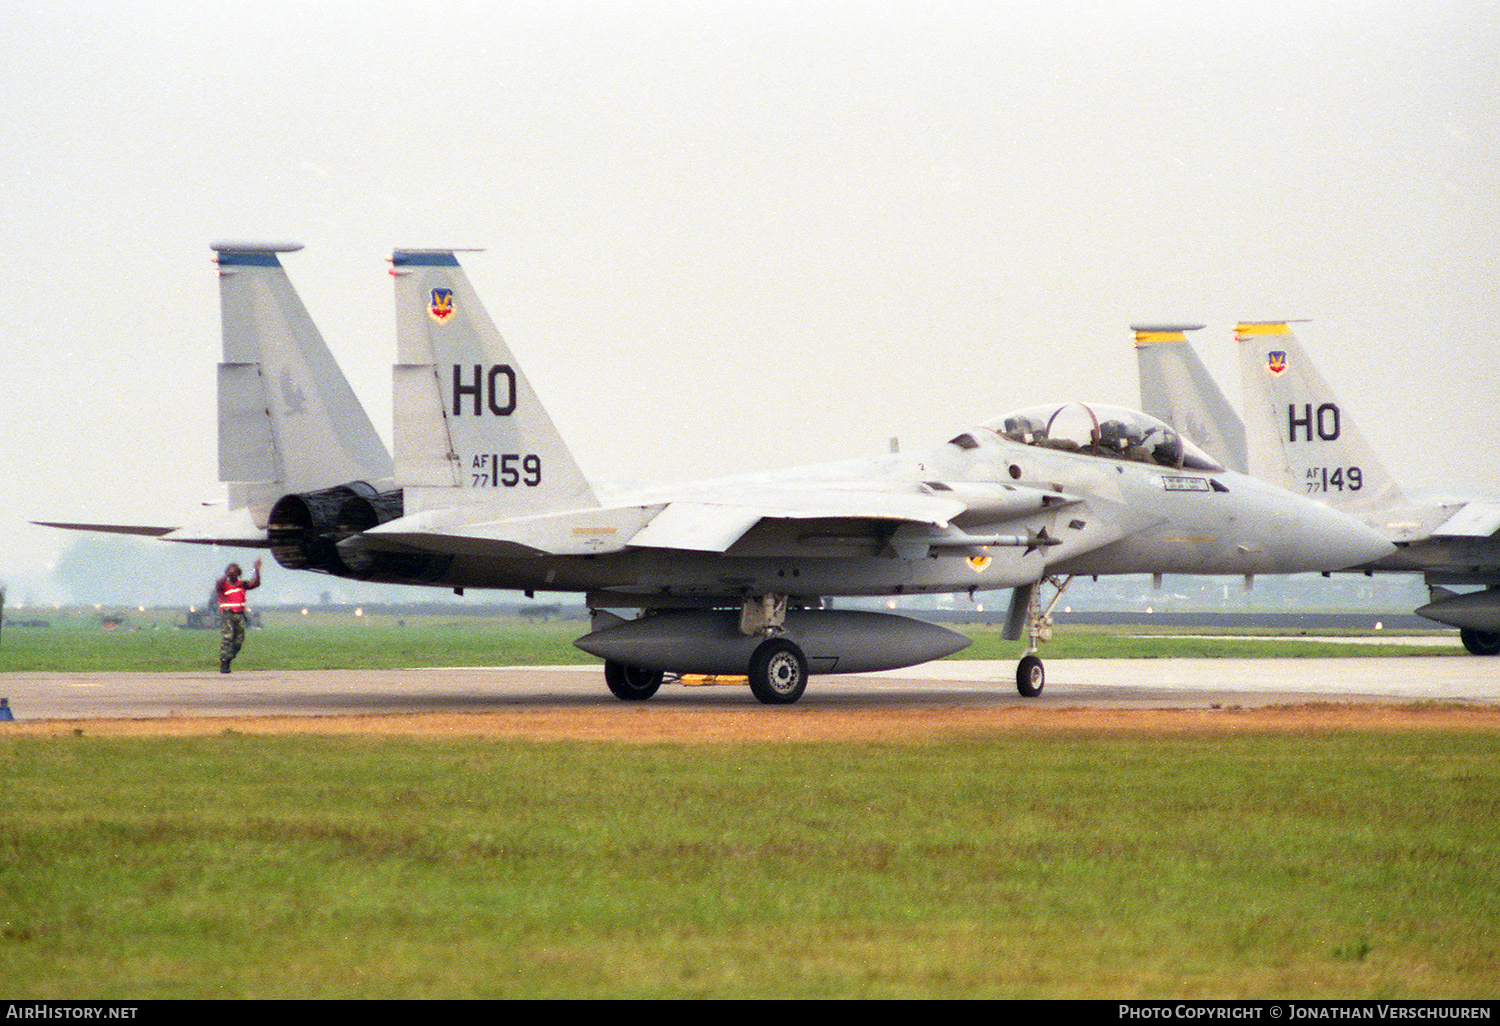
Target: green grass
<point>1011,865</point>
<point>77,642</point>
<point>289,641</point>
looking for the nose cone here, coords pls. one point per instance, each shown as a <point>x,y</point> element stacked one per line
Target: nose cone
<point>1339,542</point>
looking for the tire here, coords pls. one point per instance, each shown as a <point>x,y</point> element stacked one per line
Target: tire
<point>778,672</point>
<point>631,683</point>
<point>1480,642</point>
<point>1030,677</point>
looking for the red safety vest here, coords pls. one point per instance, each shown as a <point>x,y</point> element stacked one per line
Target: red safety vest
<point>232,595</point>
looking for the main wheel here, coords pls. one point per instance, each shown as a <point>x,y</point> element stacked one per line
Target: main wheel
<point>778,672</point>
<point>1030,676</point>
<point>1480,642</point>
<point>631,683</point>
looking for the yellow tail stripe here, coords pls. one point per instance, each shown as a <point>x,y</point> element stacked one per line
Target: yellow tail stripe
<point>1263,328</point>
<point>1145,338</point>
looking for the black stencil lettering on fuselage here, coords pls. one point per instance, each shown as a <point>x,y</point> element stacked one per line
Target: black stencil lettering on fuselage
<point>491,390</point>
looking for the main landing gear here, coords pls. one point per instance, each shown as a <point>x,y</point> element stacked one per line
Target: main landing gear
<point>632,683</point>
<point>777,666</point>
<point>778,672</point>
<point>778,675</point>
<point>778,669</point>
<point>1031,676</point>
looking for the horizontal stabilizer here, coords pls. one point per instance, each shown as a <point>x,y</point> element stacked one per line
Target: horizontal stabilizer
<point>222,527</point>
<point>143,532</point>
<point>232,527</point>
<point>697,526</point>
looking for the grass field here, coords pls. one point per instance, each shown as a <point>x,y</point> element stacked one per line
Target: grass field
<point>1015,862</point>
<point>1018,864</point>
<point>77,641</point>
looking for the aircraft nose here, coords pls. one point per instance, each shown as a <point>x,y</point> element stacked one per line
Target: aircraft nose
<point>1347,542</point>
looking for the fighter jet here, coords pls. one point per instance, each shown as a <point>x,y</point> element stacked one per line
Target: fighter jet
<point>734,575</point>
<point>1300,436</point>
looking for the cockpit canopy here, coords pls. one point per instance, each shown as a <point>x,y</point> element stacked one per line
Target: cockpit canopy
<point>1096,430</point>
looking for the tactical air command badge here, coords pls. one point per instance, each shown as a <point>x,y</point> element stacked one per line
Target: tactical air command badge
<point>441,306</point>
<point>1276,361</point>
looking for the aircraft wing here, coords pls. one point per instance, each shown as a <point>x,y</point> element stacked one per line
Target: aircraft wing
<point>707,522</point>
<point>708,525</point>
<point>1478,518</point>
<point>699,524</point>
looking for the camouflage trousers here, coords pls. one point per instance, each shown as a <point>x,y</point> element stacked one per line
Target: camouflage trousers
<point>231,635</point>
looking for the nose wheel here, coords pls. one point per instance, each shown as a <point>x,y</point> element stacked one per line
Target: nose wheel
<point>1030,676</point>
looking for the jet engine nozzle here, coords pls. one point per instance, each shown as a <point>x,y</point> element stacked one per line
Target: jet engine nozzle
<point>304,529</point>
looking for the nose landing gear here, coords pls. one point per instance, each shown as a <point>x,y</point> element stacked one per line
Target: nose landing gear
<point>1031,676</point>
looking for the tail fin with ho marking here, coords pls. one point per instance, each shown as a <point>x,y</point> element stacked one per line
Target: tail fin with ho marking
<point>468,427</point>
<point>1298,433</point>
<point>1177,388</point>
<point>288,420</point>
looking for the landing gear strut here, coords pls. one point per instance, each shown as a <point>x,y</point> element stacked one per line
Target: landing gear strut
<point>1031,676</point>
<point>778,669</point>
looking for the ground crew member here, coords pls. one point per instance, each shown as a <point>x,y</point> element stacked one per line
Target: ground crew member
<point>231,590</point>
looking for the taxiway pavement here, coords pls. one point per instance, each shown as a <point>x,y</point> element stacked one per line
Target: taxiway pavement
<point>1096,683</point>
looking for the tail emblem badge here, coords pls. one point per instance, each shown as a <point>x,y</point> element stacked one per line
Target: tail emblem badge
<point>441,306</point>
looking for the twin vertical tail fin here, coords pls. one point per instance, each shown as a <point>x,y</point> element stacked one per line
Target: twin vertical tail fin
<point>469,429</point>
<point>1177,388</point>
<point>1299,435</point>
<point>288,420</point>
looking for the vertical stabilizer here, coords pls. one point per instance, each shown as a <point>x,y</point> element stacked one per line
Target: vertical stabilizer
<point>288,420</point>
<point>1299,434</point>
<point>1177,388</point>
<point>468,426</point>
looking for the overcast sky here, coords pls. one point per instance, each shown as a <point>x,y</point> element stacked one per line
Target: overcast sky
<point>728,236</point>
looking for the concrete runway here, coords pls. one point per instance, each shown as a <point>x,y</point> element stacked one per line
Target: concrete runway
<point>1092,683</point>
